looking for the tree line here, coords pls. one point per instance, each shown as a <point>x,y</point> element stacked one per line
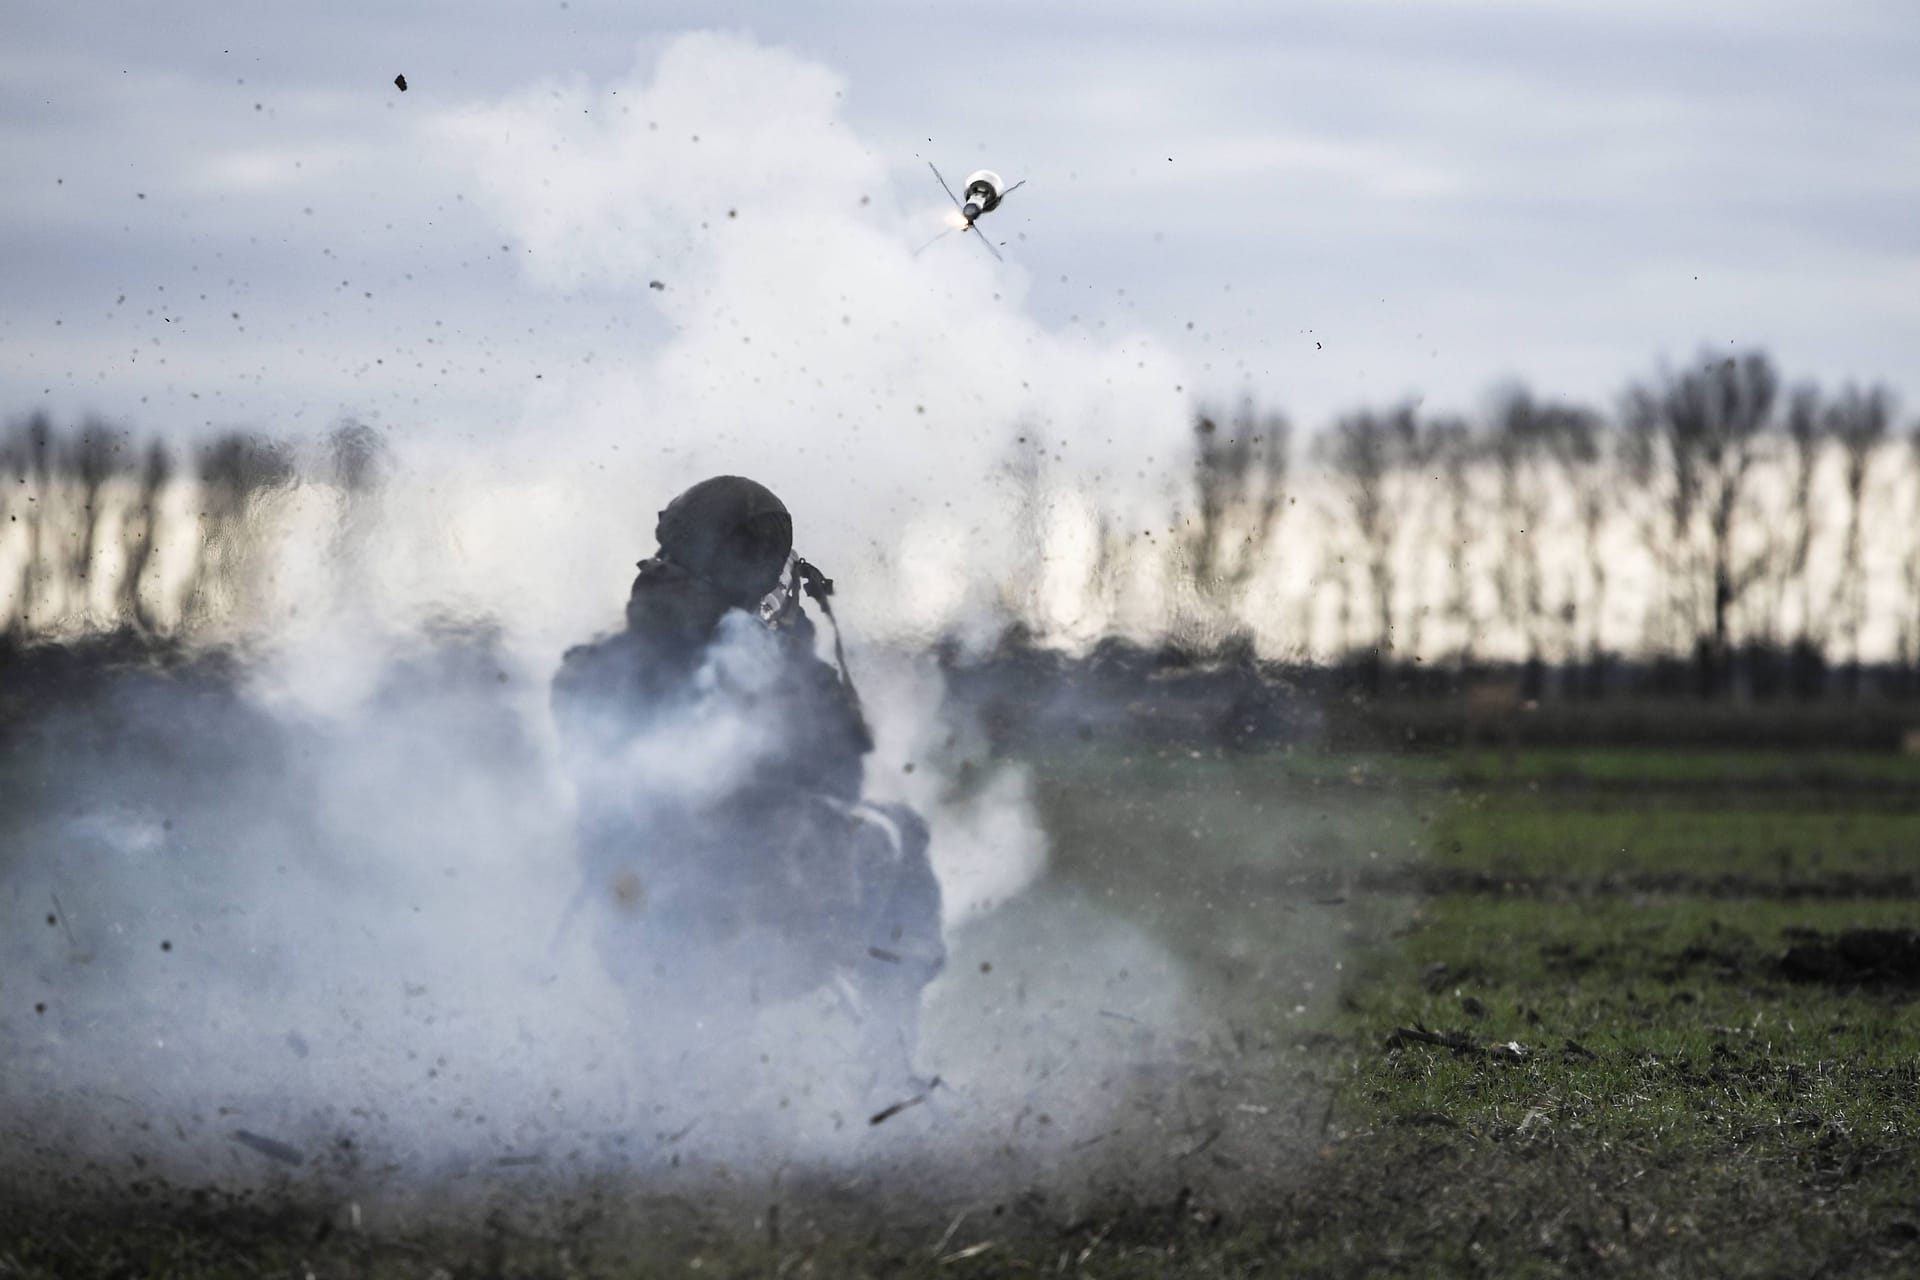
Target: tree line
<point>101,530</point>
<point>1743,534</point>
<point>1737,531</point>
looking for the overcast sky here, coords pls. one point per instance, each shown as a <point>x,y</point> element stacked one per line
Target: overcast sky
<point>228,214</point>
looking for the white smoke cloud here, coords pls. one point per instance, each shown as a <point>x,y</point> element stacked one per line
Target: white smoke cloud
<point>804,344</point>
<point>339,902</point>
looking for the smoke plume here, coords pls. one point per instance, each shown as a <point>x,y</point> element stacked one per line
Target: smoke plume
<point>304,908</point>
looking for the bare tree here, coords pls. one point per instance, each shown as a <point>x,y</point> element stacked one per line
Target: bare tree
<point>1022,469</point>
<point>357,459</point>
<point>1530,443</point>
<point>89,458</point>
<point>1693,440</point>
<point>1859,421</point>
<point>1910,627</point>
<point>1429,522</point>
<point>30,464</point>
<point>140,533</point>
<point>1516,443</point>
<point>1806,431</point>
<point>1582,448</point>
<point>235,470</point>
<point>1364,451</point>
<point>1239,476</point>
<point>13,502</point>
<point>1453,452</point>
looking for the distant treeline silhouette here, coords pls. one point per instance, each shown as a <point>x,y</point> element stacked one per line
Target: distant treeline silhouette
<point>1716,531</point>
<point>102,531</point>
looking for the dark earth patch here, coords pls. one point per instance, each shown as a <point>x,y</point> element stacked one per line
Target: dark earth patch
<point>1873,958</point>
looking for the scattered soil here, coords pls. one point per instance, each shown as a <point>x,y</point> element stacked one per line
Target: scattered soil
<point>1887,959</point>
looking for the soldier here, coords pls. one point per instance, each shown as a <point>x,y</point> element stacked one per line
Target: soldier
<point>720,766</point>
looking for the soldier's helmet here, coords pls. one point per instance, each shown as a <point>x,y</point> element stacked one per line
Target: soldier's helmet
<point>731,532</point>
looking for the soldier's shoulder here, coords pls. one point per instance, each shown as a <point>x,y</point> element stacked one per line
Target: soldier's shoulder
<point>586,653</point>
<point>656,573</point>
<point>588,662</point>
<point>671,607</point>
<point>662,586</point>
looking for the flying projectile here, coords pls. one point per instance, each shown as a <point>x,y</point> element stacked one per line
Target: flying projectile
<point>985,190</point>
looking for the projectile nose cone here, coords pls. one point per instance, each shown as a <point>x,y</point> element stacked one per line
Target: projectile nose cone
<point>970,210</point>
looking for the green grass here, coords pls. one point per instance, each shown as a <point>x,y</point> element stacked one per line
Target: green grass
<point>1670,1104</point>
<point>1632,1085</point>
<point>1751,769</point>
<point>1756,770</point>
<point>1666,1024</point>
<point>1779,836</point>
<point>1745,1123</point>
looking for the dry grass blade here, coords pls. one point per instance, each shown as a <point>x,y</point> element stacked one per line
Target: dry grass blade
<point>971,1251</point>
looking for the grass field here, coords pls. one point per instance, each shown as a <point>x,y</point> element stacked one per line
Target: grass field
<point>1518,1014</point>
<point>1618,1074</point>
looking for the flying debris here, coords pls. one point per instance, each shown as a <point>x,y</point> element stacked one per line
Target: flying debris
<point>271,1148</point>
<point>984,192</point>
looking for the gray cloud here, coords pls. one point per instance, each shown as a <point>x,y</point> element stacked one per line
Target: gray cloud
<point>1443,194</point>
